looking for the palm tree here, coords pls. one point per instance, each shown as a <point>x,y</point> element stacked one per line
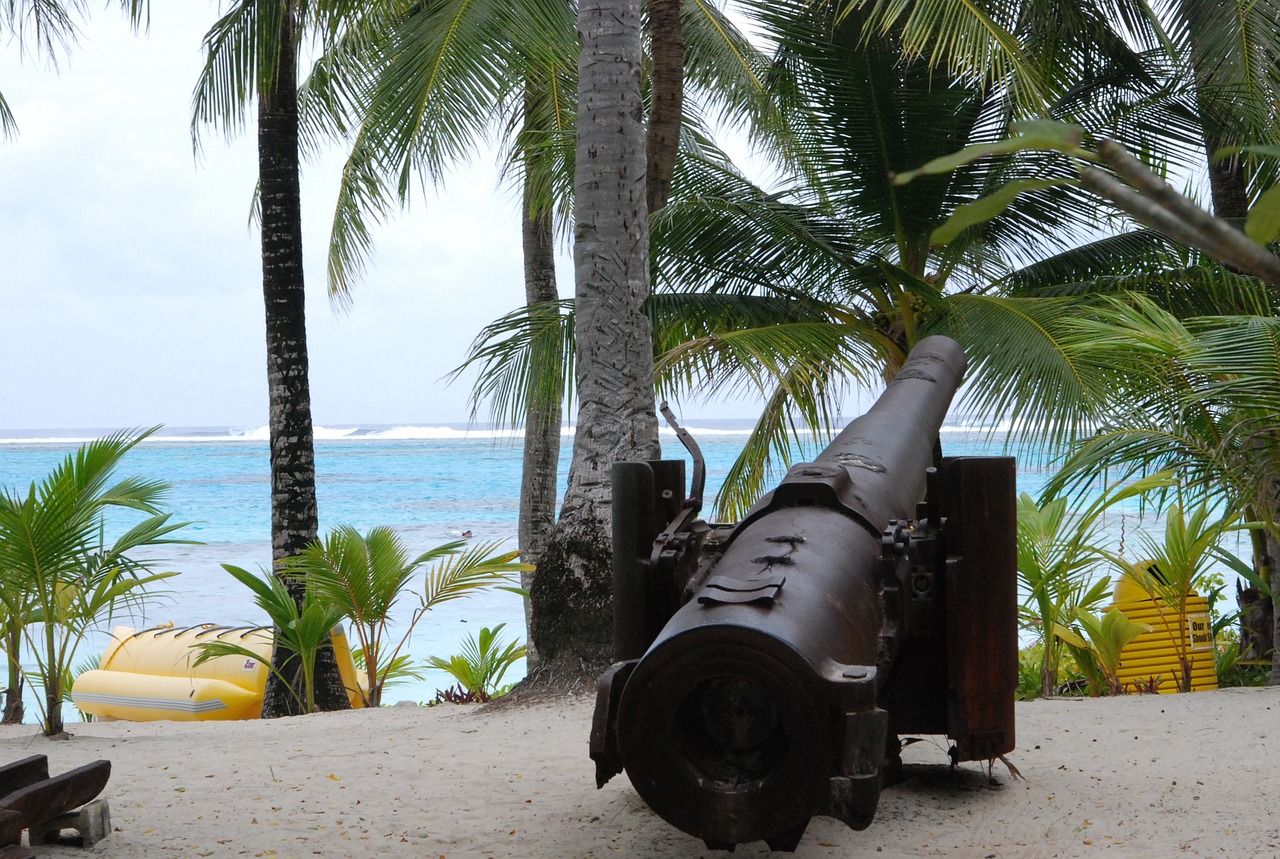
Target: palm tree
<point>1208,80</point>
<point>1197,396</point>
<point>832,278</point>
<point>1211,85</point>
<point>847,269</point>
<point>253,50</point>
<point>365,576</point>
<point>422,88</point>
<point>572,590</point>
<point>435,79</point>
<point>51,26</point>
<point>1003,292</point>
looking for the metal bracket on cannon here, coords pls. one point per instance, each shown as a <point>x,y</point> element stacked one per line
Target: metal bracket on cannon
<point>662,550</point>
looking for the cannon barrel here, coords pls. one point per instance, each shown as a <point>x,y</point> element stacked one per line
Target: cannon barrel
<point>766,690</point>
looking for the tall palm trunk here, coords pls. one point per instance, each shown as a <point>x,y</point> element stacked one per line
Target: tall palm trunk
<point>294,518</point>
<point>1229,192</point>
<point>543,413</point>
<point>666,99</point>
<point>572,589</point>
<point>1228,184</point>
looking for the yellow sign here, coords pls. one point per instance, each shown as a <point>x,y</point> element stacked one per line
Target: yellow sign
<point>1200,629</point>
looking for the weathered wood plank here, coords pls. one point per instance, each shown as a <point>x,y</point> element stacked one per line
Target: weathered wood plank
<point>23,773</point>
<point>49,798</point>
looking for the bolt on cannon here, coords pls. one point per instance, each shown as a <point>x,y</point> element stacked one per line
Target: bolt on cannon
<point>765,670</point>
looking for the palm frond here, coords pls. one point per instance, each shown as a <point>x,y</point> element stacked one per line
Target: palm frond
<point>47,26</point>
<point>526,356</point>
<point>8,125</point>
<point>428,89</point>
<point>960,36</point>
<point>1020,371</point>
<point>229,77</point>
<point>479,567</point>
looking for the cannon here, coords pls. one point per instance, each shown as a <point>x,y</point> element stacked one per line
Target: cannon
<point>764,671</point>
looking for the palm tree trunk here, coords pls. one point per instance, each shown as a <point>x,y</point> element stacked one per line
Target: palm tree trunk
<point>294,517</point>
<point>13,707</point>
<point>1273,552</point>
<point>544,411</point>
<point>572,588</point>
<point>52,685</point>
<point>1255,606</point>
<point>1228,184</point>
<point>666,99</point>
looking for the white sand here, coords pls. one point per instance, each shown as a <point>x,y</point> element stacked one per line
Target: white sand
<point>1152,776</point>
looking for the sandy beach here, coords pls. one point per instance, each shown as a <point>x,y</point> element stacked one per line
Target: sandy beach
<point>1149,776</point>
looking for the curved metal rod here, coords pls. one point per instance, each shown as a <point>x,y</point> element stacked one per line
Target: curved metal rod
<point>694,500</point>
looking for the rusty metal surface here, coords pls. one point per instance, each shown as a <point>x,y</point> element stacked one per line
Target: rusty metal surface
<point>875,468</point>
<point>794,646</point>
<point>982,607</point>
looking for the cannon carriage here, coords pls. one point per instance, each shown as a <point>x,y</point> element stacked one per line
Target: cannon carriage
<point>766,669</point>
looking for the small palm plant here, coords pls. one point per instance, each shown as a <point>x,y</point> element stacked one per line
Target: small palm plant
<point>1174,568</point>
<point>1106,639</point>
<point>302,629</point>
<point>59,576</point>
<point>480,667</point>
<point>363,577</point>
<point>1057,549</point>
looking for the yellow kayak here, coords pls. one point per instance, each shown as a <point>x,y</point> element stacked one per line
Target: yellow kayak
<point>147,675</point>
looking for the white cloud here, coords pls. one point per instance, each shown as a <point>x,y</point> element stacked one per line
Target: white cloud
<point>130,279</point>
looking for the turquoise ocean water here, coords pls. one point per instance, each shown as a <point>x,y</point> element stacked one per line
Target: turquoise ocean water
<point>429,482</point>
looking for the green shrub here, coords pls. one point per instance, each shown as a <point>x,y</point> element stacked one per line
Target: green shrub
<point>480,667</point>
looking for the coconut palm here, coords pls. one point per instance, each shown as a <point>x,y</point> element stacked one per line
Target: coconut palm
<point>934,264</point>
<point>613,346</point>
<point>1059,548</point>
<point>482,664</point>
<point>1172,569</point>
<point>830,280</point>
<point>420,91</point>
<point>302,627</point>
<point>1196,395</point>
<point>53,553</point>
<point>252,52</point>
<point>441,77</point>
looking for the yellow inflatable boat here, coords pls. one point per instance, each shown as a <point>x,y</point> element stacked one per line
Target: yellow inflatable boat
<point>149,674</point>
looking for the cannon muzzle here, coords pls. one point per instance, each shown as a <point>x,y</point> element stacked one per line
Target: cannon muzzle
<point>765,669</point>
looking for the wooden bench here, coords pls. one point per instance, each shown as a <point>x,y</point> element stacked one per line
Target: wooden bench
<point>30,799</point>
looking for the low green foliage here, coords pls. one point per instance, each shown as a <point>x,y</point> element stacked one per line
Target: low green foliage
<point>480,667</point>
<point>402,669</point>
<point>364,577</point>
<point>1029,662</point>
<point>1098,652</point>
<point>1058,554</point>
<point>301,627</point>
<point>1231,670</point>
<point>1175,567</point>
<point>91,663</point>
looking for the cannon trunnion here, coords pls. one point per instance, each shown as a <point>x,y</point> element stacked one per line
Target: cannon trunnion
<point>766,669</point>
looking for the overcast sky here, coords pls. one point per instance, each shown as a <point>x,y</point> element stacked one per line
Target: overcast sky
<point>130,279</point>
